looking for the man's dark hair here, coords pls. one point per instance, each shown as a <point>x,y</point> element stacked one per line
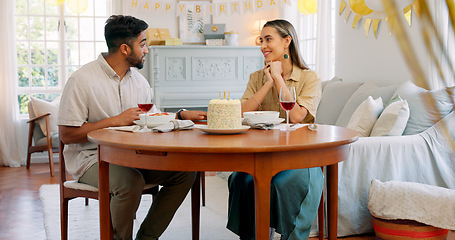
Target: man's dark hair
<point>121,29</point>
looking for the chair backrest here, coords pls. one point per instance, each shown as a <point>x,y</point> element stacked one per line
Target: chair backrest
<point>62,162</point>
<point>37,132</point>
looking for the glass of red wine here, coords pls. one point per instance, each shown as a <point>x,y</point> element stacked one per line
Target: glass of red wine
<point>287,102</point>
<point>145,107</point>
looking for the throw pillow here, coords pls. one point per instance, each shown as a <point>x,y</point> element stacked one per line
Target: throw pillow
<point>362,93</point>
<point>334,97</point>
<point>421,115</point>
<point>365,116</point>
<point>41,107</point>
<point>392,120</point>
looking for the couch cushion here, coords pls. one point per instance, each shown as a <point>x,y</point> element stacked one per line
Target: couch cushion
<point>392,120</point>
<point>334,97</point>
<point>41,107</point>
<point>421,116</point>
<point>334,79</point>
<point>365,116</point>
<point>367,89</point>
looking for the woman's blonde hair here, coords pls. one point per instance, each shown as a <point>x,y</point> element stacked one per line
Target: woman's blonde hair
<point>284,29</point>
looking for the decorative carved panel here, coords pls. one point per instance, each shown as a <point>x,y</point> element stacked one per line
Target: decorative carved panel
<point>215,68</point>
<point>175,68</point>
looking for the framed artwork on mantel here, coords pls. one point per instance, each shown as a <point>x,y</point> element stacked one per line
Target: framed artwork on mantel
<point>191,23</point>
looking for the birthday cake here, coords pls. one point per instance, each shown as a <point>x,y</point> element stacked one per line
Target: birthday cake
<point>224,114</point>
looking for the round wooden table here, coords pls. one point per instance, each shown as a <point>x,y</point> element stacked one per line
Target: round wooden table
<point>261,153</point>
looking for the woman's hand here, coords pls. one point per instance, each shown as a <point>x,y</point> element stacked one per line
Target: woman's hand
<point>275,69</point>
<point>268,75</point>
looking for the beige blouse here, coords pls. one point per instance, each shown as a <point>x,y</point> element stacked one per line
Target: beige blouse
<point>307,88</point>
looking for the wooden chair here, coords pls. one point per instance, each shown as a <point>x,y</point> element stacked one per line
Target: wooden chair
<point>41,142</point>
<point>70,189</point>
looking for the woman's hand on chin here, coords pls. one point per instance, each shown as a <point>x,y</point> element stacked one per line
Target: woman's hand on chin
<point>268,76</point>
<point>275,68</point>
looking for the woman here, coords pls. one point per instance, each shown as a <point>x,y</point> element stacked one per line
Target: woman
<point>295,194</point>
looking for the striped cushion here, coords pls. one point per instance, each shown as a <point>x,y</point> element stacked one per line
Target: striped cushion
<point>407,229</point>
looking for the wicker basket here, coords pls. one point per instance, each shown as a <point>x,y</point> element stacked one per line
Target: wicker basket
<point>407,229</point>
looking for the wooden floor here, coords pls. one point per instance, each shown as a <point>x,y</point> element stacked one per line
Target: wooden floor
<point>21,215</point>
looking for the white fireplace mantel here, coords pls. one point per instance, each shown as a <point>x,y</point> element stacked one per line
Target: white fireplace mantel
<point>189,76</point>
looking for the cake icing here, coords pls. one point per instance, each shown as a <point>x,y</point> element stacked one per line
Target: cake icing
<point>224,114</point>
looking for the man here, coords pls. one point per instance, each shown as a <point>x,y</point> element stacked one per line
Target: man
<point>105,93</point>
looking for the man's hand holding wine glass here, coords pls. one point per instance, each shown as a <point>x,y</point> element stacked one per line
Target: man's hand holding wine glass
<point>127,117</point>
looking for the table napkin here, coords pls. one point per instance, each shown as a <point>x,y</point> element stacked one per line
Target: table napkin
<point>175,125</point>
<point>258,125</point>
<point>283,126</point>
<point>134,128</point>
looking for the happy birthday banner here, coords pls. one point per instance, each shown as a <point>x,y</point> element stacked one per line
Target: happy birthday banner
<point>206,8</point>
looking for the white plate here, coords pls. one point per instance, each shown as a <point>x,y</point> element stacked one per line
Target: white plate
<point>149,125</point>
<point>274,122</point>
<point>223,131</point>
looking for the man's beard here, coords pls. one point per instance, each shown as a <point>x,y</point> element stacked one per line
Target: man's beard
<point>138,63</point>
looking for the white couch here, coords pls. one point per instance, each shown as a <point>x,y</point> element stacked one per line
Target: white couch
<point>422,154</point>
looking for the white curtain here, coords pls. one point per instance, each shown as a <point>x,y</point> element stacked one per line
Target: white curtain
<point>11,153</point>
<point>323,48</point>
<point>441,18</point>
<point>324,38</point>
<point>116,7</point>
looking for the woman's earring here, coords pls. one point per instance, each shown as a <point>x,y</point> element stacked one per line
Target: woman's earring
<point>286,56</point>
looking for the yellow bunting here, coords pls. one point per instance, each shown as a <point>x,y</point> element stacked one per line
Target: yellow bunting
<point>346,15</point>
<point>311,5</point>
<point>302,8</point>
<point>407,13</point>
<point>375,27</point>
<point>356,20</point>
<point>359,7</point>
<point>55,2</point>
<point>258,4</point>
<point>77,6</point>
<point>224,95</point>
<point>342,6</point>
<point>366,26</point>
<point>372,13</point>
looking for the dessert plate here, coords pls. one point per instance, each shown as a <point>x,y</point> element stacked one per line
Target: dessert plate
<point>205,129</point>
<point>274,122</point>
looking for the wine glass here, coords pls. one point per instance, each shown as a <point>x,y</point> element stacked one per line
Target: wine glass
<point>145,107</point>
<point>287,102</point>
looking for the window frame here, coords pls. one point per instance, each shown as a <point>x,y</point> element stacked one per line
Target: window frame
<point>64,66</point>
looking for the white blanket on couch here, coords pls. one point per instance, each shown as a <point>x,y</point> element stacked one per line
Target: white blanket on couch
<point>423,158</point>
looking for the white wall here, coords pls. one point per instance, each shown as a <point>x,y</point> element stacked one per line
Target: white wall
<point>360,58</point>
<point>243,23</point>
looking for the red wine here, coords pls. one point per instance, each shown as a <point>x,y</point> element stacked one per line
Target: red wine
<point>145,107</point>
<point>287,105</point>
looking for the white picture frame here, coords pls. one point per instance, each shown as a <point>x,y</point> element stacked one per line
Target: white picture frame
<point>191,24</point>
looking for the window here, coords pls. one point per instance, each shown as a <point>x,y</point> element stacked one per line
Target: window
<point>52,42</point>
<point>306,27</point>
<point>307,30</point>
